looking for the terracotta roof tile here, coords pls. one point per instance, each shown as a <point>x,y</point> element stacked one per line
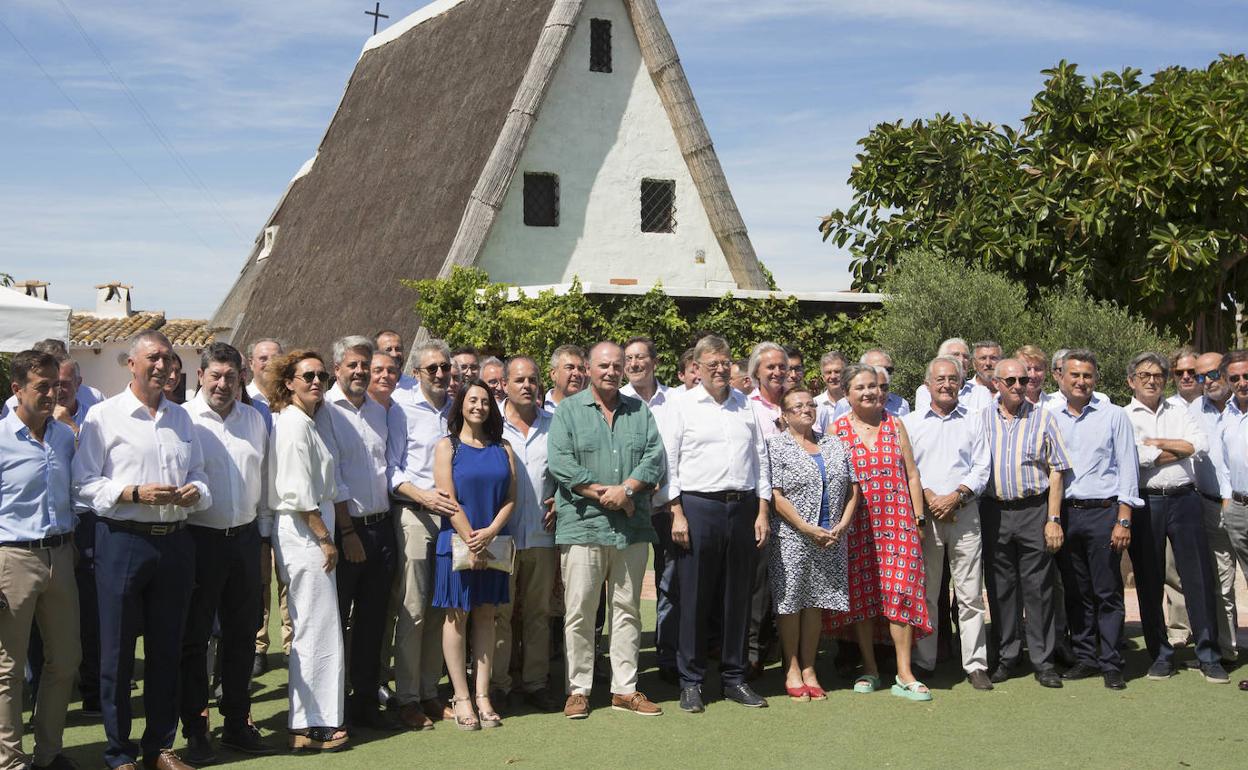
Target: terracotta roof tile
<point>188,333</point>
<point>87,329</point>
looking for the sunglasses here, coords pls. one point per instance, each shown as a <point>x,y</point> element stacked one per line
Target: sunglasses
<point>1235,378</point>
<point>889,369</point>
<point>1012,381</point>
<point>1181,373</point>
<point>310,377</point>
<point>1213,376</point>
<point>433,369</point>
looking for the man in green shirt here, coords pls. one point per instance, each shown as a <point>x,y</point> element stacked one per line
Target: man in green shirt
<point>607,457</point>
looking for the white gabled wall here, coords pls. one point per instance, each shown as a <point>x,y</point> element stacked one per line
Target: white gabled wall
<point>602,133</point>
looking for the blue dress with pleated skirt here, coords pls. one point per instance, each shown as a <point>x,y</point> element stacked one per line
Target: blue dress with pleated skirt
<point>482,478</point>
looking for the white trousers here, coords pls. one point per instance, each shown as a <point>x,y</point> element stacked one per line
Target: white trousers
<point>961,542</point>
<point>585,568</point>
<point>317,660</point>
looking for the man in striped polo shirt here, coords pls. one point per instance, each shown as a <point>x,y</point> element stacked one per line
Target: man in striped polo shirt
<point>1022,525</point>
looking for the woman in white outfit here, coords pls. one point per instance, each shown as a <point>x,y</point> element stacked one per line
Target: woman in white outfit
<point>301,494</point>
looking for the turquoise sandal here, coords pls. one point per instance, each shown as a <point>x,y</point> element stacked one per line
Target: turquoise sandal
<point>911,691</point>
<point>867,683</point>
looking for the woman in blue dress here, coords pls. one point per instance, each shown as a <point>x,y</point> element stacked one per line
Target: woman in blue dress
<point>475,466</point>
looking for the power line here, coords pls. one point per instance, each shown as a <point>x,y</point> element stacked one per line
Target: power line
<point>104,138</point>
<point>151,123</point>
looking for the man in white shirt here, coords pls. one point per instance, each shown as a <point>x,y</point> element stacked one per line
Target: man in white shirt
<point>640,358</point>
<point>954,460</point>
<point>141,469</point>
<point>418,509</point>
<point>830,367</point>
<point>494,375</point>
<point>233,439</point>
<point>259,354</point>
<point>568,375</point>
<point>1167,438</point>
<point>390,342</point>
<point>526,427</point>
<point>1188,388</point>
<point>364,525</point>
<point>720,522</point>
<point>975,395</point>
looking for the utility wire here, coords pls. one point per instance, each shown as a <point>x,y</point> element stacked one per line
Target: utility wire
<point>104,138</point>
<point>151,123</point>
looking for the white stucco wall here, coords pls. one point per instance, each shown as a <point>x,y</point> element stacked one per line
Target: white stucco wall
<point>602,133</point>
<point>104,367</point>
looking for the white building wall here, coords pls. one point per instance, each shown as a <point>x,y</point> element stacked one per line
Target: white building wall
<point>104,367</point>
<point>602,133</point>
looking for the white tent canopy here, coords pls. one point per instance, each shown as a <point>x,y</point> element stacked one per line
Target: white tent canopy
<point>26,320</point>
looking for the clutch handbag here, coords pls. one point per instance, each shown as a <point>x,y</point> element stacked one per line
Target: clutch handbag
<point>500,553</point>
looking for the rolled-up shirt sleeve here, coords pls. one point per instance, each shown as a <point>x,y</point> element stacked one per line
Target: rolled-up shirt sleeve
<point>1194,434</point>
<point>1128,462</point>
<point>92,489</point>
<point>561,454</point>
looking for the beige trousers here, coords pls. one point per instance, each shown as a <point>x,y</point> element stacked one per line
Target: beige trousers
<point>1178,627</point>
<point>267,572</point>
<point>532,584</point>
<point>39,586</point>
<point>418,630</point>
<point>585,568</point>
<point>962,543</point>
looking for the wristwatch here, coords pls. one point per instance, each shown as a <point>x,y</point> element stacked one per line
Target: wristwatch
<point>325,540</point>
<point>964,495</point>
<point>1055,519</point>
<point>1124,523</point>
<point>628,491</point>
<point>134,494</point>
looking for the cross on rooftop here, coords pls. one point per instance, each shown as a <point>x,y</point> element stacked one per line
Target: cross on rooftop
<point>377,15</point>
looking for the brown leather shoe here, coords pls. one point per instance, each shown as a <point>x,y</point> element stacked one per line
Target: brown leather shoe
<point>413,718</point>
<point>577,707</point>
<point>165,760</point>
<point>637,703</point>
<point>436,710</point>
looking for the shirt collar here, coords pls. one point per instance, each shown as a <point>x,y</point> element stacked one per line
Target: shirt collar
<point>959,410</point>
<point>135,405</point>
<point>200,407</point>
<point>1137,405</point>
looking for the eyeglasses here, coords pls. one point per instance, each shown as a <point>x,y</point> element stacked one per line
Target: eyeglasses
<point>715,364</point>
<point>310,377</point>
<point>1181,373</point>
<point>1212,376</point>
<point>1150,376</point>
<point>1012,381</point>
<point>809,406</point>
<point>433,369</point>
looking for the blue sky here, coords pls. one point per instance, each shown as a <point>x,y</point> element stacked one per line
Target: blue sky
<point>244,90</point>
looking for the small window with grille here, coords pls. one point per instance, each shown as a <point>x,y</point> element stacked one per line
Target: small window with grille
<point>599,45</point>
<point>658,206</point>
<point>541,200</point>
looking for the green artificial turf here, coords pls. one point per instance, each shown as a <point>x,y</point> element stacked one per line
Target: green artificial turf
<point>1183,722</point>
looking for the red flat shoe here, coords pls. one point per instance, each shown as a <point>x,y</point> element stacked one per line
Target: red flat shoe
<point>816,693</point>
<point>800,694</point>
<point>1243,684</point>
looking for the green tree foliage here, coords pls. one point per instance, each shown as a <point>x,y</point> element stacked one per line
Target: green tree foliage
<point>469,310</point>
<point>930,299</point>
<point>1136,191</point>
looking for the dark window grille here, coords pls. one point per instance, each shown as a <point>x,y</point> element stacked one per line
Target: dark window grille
<point>599,45</point>
<point>541,200</point>
<point>658,206</point>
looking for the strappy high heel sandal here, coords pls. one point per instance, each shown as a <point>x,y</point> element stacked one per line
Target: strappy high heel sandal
<point>489,718</point>
<point>468,723</point>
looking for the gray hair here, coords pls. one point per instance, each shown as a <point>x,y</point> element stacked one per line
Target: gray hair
<point>566,350</point>
<point>757,353</point>
<point>1059,356</point>
<point>353,343</point>
<point>431,346</point>
<point>996,370</point>
<point>251,349</point>
<point>148,335</point>
<point>853,370</point>
<point>833,355</point>
<point>492,361</point>
<point>882,371</point>
<point>1149,357</point>
<point>992,344</point>
<point>863,358</point>
<point>1084,355</point>
<point>957,365</point>
<point>943,350</point>
<point>711,343</point>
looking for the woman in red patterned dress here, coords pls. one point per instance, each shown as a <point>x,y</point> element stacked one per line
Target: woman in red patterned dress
<point>886,598</point>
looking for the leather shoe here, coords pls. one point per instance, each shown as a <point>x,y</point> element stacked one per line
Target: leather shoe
<point>1114,680</point>
<point>59,762</point>
<point>979,679</point>
<point>1048,678</point>
<point>1004,673</point>
<point>165,760</point>
<point>691,700</point>
<point>260,665</point>
<point>540,700</point>
<point>741,693</point>
<point>413,718</point>
<point>370,717</point>
<point>199,749</point>
<point>1080,671</point>
<point>246,739</point>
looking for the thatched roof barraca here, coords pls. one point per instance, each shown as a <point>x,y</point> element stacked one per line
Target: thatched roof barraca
<point>415,165</point>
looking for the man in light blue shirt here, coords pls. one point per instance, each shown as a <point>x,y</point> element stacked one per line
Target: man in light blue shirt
<point>1230,454</point>
<point>36,559</point>
<point>1102,490</point>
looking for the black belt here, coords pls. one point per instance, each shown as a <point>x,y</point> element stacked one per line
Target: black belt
<point>1168,491</point>
<point>1021,502</point>
<point>370,519</point>
<point>228,531</point>
<point>1086,502</point>
<point>1240,497</point>
<point>34,545</point>
<point>729,496</point>
<point>1210,498</point>
<point>143,528</point>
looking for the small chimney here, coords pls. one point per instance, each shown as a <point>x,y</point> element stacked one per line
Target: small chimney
<point>112,300</point>
<point>36,289</point>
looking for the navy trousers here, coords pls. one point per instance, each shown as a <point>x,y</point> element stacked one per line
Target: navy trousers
<point>363,597</point>
<point>1180,519</point>
<point>144,585</point>
<point>225,590</point>
<point>667,620</point>
<point>1091,571</point>
<point>88,608</point>
<point>716,577</point>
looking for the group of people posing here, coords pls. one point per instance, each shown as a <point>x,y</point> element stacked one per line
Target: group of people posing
<point>423,512</point>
